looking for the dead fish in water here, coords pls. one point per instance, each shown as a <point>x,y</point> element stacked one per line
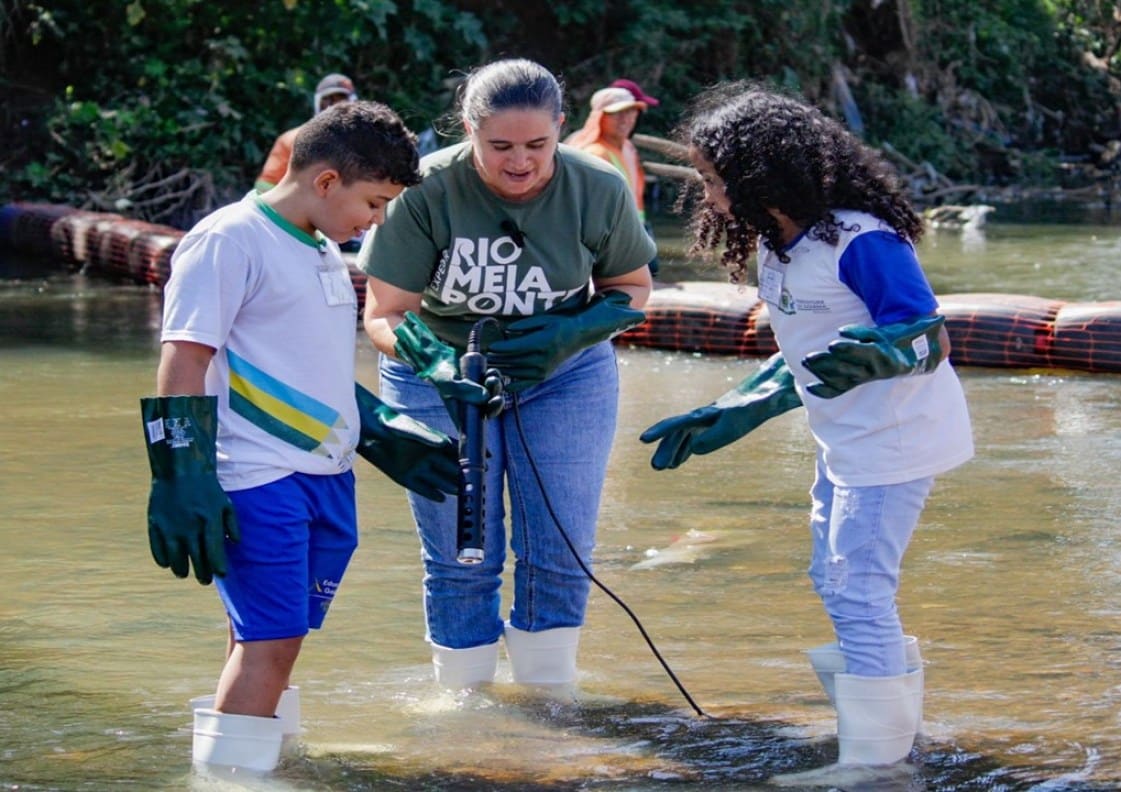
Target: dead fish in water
<point>970,216</point>
<point>684,549</point>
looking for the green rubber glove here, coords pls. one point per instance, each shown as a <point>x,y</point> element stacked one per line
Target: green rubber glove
<point>872,353</point>
<point>438,363</point>
<point>766,393</point>
<point>536,345</point>
<point>411,453</point>
<point>189,515</point>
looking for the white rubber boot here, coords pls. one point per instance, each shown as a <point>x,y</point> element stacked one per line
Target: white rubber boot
<point>287,711</point>
<point>457,669</point>
<point>202,702</point>
<point>543,658</point>
<point>875,731</point>
<point>827,660</point>
<point>915,682</point>
<point>876,718</point>
<point>244,742</point>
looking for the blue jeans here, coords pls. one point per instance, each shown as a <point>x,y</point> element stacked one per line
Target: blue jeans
<point>859,537</point>
<point>569,425</point>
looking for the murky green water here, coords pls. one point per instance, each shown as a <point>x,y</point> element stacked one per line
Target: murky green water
<point>1012,583</point>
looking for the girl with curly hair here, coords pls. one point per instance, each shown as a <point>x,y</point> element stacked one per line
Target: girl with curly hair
<point>855,320</point>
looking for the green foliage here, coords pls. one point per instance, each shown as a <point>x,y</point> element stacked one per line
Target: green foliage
<point>113,102</point>
<point>915,128</point>
<point>1007,77</point>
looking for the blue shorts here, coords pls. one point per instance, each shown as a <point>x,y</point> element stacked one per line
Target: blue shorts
<point>297,536</point>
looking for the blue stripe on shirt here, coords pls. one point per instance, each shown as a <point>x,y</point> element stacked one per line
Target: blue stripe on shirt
<point>882,270</point>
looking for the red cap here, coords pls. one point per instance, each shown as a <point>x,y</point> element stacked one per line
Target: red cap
<point>615,100</point>
<point>637,92</point>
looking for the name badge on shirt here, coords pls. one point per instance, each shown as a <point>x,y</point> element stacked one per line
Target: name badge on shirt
<point>770,285</point>
<point>336,285</point>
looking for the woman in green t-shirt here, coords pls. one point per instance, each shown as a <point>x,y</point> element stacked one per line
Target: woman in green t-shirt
<point>539,247</point>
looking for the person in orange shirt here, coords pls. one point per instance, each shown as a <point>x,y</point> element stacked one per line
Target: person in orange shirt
<point>332,89</point>
<point>606,134</point>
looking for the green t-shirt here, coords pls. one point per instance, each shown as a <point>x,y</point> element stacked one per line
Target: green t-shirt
<point>472,254</point>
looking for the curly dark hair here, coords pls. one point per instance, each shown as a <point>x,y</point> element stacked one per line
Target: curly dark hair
<point>774,151</point>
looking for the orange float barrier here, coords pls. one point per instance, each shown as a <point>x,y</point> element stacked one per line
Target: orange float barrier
<point>29,226</point>
<point>703,316</point>
<point>70,235</point>
<point>707,317</point>
<point>358,280</point>
<point>1087,336</point>
<point>110,254</point>
<point>985,329</point>
<point>149,254</point>
<point>1000,330</point>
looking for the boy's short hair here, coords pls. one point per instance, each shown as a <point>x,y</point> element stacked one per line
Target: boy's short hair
<point>363,141</point>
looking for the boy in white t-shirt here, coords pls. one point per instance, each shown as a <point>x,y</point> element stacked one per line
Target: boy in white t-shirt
<point>257,418</point>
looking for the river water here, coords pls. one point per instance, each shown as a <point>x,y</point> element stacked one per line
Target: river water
<point>1012,583</point>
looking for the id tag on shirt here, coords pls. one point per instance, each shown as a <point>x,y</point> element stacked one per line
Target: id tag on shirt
<point>770,285</point>
<point>336,285</point>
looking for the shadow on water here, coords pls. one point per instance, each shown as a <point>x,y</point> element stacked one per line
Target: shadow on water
<point>634,746</point>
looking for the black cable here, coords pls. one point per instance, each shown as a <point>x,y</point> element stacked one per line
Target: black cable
<point>588,572</point>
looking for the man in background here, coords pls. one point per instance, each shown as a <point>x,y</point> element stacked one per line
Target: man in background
<point>332,89</point>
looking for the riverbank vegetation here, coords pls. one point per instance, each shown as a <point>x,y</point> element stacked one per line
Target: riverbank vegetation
<point>163,109</point>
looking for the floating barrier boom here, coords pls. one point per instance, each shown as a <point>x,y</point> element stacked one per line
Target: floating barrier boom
<point>986,329</point>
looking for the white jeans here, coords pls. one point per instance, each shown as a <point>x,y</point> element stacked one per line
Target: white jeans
<point>859,537</point>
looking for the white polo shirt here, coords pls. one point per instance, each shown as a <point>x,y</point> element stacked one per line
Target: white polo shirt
<point>884,431</point>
